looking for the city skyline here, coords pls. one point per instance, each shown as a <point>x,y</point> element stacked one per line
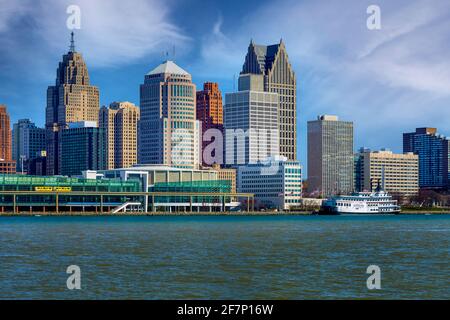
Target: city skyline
<point>417,100</point>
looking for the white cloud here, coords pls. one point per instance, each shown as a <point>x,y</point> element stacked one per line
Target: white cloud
<point>113,32</point>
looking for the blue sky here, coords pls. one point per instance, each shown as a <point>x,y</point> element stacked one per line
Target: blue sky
<point>387,81</point>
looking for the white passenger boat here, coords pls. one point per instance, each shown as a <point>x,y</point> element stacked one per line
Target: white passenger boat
<point>378,202</point>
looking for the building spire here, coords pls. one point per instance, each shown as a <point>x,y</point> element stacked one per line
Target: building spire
<point>72,43</point>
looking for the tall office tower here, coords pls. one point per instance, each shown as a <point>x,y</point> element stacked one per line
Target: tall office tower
<point>83,147</point>
<point>168,129</point>
<point>7,165</point>
<point>28,141</point>
<point>120,122</point>
<point>330,156</point>
<point>400,171</point>
<point>272,63</point>
<point>251,123</point>
<point>71,99</point>
<point>210,109</point>
<point>434,156</point>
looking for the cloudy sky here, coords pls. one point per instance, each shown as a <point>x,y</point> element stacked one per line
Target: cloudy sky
<point>387,81</point>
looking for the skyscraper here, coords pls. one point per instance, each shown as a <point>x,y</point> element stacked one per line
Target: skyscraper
<point>251,123</point>
<point>71,99</point>
<point>278,76</point>
<point>7,165</point>
<point>120,122</point>
<point>28,142</point>
<point>210,109</point>
<point>330,156</point>
<point>83,147</point>
<point>168,129</point>
<point>434,156</point>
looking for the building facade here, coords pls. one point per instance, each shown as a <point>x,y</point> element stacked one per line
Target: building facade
<point>7,165</point>
<point>28,142</point>
<point>400,171</point>
<point>168,129</point>
<point>272,62</point>
<point>71,99</point>
<point>209,110</point>
<point>83,147</point>
<point>120,122</point>
<point>434,156</point>
<point>330,156</point>
<point>277,183</point>
<point>251,123</point>
<point>226,174</point>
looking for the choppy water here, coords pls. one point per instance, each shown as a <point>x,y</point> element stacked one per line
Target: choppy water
<point>225,257</point>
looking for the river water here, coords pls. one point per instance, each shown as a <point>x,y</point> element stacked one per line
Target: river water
<point>219,257</point>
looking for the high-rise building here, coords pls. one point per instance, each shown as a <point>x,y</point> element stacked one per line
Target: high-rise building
<point>168,129</point>
<point>209,109</point>
<point>251,123</point>
<point>71,99</point>
<point>434,156</point>
<point>83,147</point>
<point>7,165</point>
<point>400,172</point>
<point>120,122</point>
<point>28,141</point>
<point>277,184</point>
<point>330,156</point>
<point>273,64</point>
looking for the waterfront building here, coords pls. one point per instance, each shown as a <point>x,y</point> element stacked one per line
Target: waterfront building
<point>251,123</point>
<point>161,178</point>
<point>168,129</point>
<point>400,172</point>
<point>277,183</point>
<point>7,165</point>
<point>278,76</point>
<point>28,141</point>
<point>71,99</point>
<point>209,110</point>
<point>83,147</point>
<point>330,156</point>
<point>434,156</point>
<point>74,194</point>
<point>120,122</point>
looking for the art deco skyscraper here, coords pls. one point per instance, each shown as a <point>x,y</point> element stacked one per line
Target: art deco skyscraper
<point>273,63</point>
<point>120,122</point>
<point>71,99</point>
<point>6,163</point>
<point>168,129</point>
<point>210,108</point>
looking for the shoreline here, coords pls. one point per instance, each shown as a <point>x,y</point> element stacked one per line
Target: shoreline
<point>193,214</point>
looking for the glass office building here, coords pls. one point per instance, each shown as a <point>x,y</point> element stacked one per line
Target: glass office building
<point>434,156</point>
<point>34,193</point>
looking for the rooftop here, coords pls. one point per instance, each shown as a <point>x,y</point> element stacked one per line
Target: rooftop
<point>168,67</point>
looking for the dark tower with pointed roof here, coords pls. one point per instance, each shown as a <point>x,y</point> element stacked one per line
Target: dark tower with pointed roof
<point>273,63</point>
<point>71,99</point>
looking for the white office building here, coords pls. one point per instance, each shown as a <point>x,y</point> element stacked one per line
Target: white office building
<point>276,183</point>
<point>251,122</point>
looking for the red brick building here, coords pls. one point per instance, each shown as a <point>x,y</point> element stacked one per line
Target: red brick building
<point>7,165</point>
<point>210,108</point>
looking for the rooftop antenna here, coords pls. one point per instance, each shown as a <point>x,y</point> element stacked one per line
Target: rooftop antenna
<point>72,42</point>
<point>234,82</point>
